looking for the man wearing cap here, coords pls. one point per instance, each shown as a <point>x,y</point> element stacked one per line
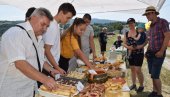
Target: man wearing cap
<point>135,52</point>
<point>158,36</point>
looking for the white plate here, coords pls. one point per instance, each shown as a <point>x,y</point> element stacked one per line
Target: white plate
<point>47,94</point>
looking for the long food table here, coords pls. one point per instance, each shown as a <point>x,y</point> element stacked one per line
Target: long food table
<point>107,80</point>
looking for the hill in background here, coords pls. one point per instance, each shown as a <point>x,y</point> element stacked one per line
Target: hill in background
<point>4,25</point>
<point>97,21</point>
<point>102,21</point>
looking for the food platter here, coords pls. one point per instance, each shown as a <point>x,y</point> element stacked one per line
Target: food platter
<point>62,90</point>
<point>95,85</point>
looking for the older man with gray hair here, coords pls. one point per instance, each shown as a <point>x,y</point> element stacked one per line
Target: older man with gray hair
<point>22,57</point>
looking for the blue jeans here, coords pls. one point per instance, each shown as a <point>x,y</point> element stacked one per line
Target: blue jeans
<point>154,66</point>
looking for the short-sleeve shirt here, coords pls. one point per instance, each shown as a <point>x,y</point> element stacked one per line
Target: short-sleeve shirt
<point>16,45</point>
<point>156,34</point>
<point>52,37</point>
<point>85,39</point>
<point>102,37</point>
<point>118,43</point>
<point>69,43</point>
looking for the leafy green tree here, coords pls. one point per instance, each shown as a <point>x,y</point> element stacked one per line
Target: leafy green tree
<point>119,26</point>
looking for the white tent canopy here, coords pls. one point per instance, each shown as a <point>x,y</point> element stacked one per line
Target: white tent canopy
<point>89,6</point>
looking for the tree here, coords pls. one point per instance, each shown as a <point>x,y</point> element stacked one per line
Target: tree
<point>119,26</point>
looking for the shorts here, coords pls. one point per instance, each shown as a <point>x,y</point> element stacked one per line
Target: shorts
<point>103,47</point>
<point>154,66</point>
<point>136,59</point>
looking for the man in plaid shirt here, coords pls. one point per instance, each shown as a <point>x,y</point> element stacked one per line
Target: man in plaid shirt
<point>158,36</point>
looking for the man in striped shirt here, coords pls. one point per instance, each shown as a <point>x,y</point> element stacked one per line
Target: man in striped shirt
<point>158,36</point>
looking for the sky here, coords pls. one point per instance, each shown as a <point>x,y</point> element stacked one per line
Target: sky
<point>12,13</point>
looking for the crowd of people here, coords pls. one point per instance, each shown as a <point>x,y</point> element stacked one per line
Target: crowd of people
<point>33,50</point>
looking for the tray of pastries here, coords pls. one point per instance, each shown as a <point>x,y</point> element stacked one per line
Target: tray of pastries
<point>102,66</point>
<point>66,81</point>
<point>100,59</point>
<point>115,73</point>
<point>115,83</point>
<point>106,66</point>
<point>93,90</point>
<point>73,77</point>
<point>114,87</point>
<point>77,75</point>
<point>61,90</point>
